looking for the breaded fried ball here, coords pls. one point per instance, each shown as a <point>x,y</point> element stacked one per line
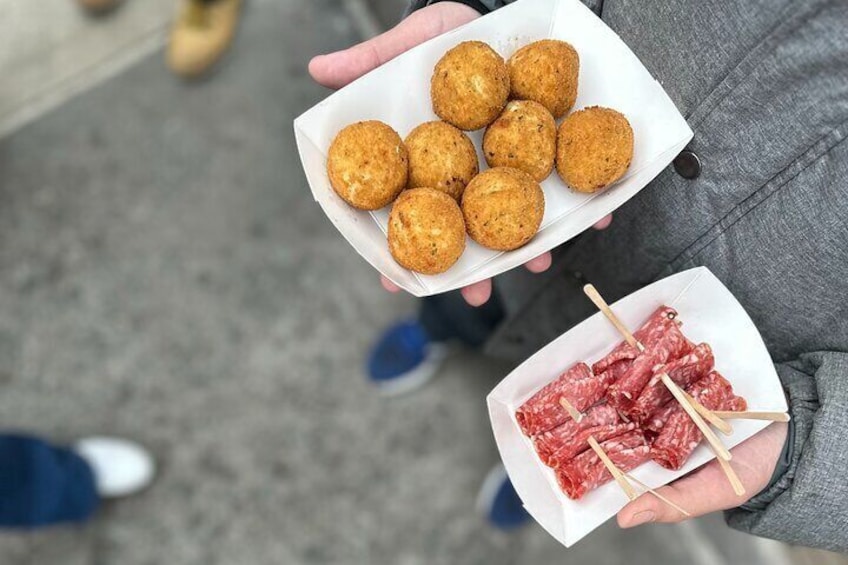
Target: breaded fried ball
<point>594,148</point>
<point>470,86</point>
<point>545,71</point>
<point>426,231</point>
<point>367,165</point>
<point>441,157</point>
<point>523,137</point>
<point>503,208</point>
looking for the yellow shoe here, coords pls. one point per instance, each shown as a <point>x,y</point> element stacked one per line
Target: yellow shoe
<point>97,6</point>
<point>201,34</point>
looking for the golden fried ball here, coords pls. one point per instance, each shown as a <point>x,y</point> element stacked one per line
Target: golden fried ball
<point>545,71</point>
<point>523,137</point>
<point>503,208</point>
<point>367,165</point>
<point>470,86</point>
<point>426,231</point>
<point>594,148</point>
<point>441,157</point>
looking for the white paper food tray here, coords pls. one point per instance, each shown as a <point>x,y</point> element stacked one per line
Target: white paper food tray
<point>398,93</point>
<point>711,314</point>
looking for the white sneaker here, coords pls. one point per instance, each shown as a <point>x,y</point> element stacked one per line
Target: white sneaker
<point>121,467</point>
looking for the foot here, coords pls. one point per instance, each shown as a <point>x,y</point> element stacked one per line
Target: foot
<point>201,34</point>
<point>121,467</point>
<point>499,502</point>
<point>404,359</point>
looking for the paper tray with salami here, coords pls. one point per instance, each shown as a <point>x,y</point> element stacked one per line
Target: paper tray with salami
<point>719,358</point>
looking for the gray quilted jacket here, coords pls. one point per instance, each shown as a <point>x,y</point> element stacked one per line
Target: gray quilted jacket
<point>764,86</point>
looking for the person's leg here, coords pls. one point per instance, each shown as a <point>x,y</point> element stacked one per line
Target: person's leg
<point>447,317</point>
<point>41,485</point>
<point>409,353</point>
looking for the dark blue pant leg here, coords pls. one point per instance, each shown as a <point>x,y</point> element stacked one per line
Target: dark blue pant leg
<point>42,485</point>
<point>447,316</point>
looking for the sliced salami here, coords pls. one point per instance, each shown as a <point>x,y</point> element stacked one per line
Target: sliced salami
<point>639,419</point>
<point>586,471</point>
<point>656,422</point>
<point>579,442</point>
<point>543,411</point>
<point>623,393</point>
<point>647,335</point>
<point>549,442</point>
<point>680,436</point>
<point>684,371</point>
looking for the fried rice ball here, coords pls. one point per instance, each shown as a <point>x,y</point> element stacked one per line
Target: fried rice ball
<point>426,231</point>
<point>441,157</point>
<point>523,137</point>
<point>546,72</point>
<point>503,208</point>
<point>368,165</point>
<point>594,148</point>
<point>470,86</point>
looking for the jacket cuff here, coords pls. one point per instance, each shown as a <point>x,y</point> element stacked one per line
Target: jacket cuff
<point>802,398</point>
<point>801,395</point>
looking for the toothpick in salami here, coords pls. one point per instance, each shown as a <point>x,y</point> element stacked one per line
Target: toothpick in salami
<point>709,435</point>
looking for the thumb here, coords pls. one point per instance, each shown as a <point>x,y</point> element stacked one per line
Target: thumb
<point>708,490</point>
<point>336,70</point>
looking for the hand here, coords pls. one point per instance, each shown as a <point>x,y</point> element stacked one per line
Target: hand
<point>338,69</point>
<point>342,67</point>
<point>707,490</point>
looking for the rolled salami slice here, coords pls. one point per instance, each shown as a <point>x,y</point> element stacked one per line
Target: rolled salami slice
<point>549,442</point>
<point>624,392</point>
<point>656,422</point>
<point>647,335</point>
<point>684,371</point>
<point>543,411</point>
<point>587,472</point>
<point>579,442</point>
<point>680,436</point>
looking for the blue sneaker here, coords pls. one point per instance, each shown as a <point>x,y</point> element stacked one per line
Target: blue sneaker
<point>499,502</point>
<point>404,358</point>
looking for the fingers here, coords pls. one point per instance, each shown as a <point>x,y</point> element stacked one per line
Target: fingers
<point>540,264</point>
<point>336,70</point>
<point>708,490</point>
<point>389,285</point>
<point>705,491</point>
<point>475,295</point>
<point>603,223</point>
<point>478,293</point>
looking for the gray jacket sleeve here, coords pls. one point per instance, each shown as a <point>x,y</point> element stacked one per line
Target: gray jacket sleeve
<point>808,502</point>
<point>491,5</point>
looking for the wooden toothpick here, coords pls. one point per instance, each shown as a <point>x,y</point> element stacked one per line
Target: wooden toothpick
<point>658,495</point>
<point>602,305</point>
<point>710,436</point>
<point>614,471</point>
<point>709,415</point>
<point>752,415</point>
<point>569,407</point>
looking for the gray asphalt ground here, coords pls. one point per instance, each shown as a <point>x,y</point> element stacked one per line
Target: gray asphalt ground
<point>166,276</point>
